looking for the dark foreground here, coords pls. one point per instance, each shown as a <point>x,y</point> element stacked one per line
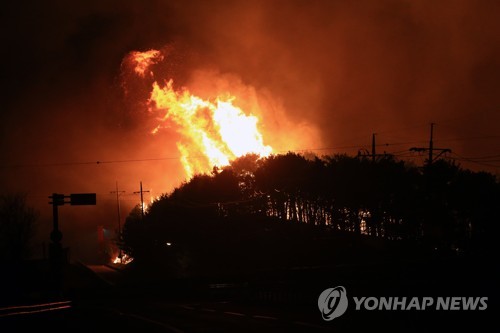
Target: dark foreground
<point>103,299</point>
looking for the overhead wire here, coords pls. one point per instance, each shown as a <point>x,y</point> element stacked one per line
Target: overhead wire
<point>333,148</point>
<point>461,158</point>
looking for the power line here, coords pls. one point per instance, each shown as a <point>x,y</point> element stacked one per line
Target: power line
<point>99,162</point>
<point>482,157</point>
<point>471,138</point>
<point>431,148</point>
<point>461,158</point>
<point>28,165</point>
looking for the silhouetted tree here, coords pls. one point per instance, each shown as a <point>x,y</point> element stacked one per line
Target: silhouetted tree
<point>17,227</point>
<point>134,235</point>
<point>440,205</point>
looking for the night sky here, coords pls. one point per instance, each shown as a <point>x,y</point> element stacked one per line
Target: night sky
<point>335,71</point>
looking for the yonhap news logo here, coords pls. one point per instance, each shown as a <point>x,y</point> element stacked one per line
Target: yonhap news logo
<point>333,303</point>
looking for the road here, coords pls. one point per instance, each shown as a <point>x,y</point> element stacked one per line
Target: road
<point>102,302</point>
<point>223,316</point>
<point>163,314</point>
<point>98,301</point>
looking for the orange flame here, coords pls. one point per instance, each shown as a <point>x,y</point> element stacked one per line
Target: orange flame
<point>143,60</point>
<point>124,260</point>
<point>214,132</point>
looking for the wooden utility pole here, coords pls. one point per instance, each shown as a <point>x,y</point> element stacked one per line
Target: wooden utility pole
<point>373,147</point>
<point>373,154</point>
<point>117,192</point>
<point>119,238</point>
<point>142,200</point>
<point>431,148</point>
<point>431,144</point>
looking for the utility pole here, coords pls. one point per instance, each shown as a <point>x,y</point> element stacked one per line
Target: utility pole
<point>142,200</point>
<point>431,148</point>
<point>373,154</point>
<point>117,192</point>
<point>373,147</point>
<point>431,144</point>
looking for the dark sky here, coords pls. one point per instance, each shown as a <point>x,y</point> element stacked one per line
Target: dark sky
<point>345,69</point>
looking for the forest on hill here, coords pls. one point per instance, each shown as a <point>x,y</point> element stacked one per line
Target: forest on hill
<point>291,210</point>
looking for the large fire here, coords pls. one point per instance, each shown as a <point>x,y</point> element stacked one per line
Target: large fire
<point>217,129</point>
<point>213,131</point>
